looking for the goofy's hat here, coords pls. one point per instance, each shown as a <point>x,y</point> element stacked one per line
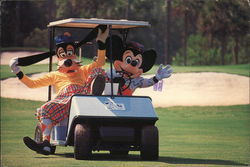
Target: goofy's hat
<point>65,46</point>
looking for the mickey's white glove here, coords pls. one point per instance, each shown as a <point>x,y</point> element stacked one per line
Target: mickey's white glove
<point>13,65</point>
<point>102,36</point>
<point>163,72</point>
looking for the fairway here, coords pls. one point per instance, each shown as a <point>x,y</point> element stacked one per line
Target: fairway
<point>189,136</point>
<point>239,69</point>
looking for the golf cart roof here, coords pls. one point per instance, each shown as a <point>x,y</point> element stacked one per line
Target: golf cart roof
<point>93,22</point>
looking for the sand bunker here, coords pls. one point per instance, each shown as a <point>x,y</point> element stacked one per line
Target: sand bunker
<point>181,89</point>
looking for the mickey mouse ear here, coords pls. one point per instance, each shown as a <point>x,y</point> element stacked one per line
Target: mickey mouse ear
<point>117,48</point>
<point>149,58</point>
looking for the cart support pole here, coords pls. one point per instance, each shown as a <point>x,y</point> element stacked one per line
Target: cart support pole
<point>111,59</point>
<point>124,35</point>
<point>51,41</point>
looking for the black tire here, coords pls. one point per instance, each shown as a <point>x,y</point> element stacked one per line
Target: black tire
<point>39,137</point>
<point>149,143</point>
<point>82,142</point>
<point>118,152</point>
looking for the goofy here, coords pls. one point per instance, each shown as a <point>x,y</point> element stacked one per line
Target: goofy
<point>70,78</point>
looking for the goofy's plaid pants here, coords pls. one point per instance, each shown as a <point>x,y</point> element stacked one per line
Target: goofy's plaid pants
<point>57,109</point>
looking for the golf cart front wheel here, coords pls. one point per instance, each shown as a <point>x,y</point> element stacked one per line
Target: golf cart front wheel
<point>149,143</point>
<point>82,142</point>
<point>39,137</point>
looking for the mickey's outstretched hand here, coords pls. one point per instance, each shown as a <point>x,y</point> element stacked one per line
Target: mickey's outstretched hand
<point>101,38</point>
<point>163,72</point>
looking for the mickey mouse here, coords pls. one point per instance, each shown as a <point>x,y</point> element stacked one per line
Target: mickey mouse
<point>130,62</point>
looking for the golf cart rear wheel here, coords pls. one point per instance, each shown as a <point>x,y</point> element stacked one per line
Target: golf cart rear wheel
<point>39,137</point>
<point>149,143</point>
<point>82,142</point>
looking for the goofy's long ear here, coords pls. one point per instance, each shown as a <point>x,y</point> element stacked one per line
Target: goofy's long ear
<point>29,60</point>
<point>117,48</point>
<point>148,60</point>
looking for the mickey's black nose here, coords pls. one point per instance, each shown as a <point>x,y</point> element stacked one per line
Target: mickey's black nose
<point>68,62</point>
<point>134,63</point>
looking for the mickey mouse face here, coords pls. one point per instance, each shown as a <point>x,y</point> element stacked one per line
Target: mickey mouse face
<point>130,63</point>
<point>131,58</point>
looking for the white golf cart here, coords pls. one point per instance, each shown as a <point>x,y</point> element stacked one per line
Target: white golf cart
<point>118,124</point>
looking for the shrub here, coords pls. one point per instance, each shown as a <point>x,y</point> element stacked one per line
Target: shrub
<point>198,52</point>
<point>37,38</point>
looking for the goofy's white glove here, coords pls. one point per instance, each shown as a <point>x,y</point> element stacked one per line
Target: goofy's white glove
<point>163,72</point>
<point>13,65</point>
<point>101,38</point>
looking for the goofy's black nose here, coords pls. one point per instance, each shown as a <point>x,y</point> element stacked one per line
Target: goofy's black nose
<point>68,62</point>
<point>133,63</point>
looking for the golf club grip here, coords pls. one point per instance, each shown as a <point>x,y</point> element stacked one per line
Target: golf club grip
<point>92,35</point>
<point>29,60</point>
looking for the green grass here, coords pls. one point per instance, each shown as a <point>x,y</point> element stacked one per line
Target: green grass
<point>206,133</point>
<point>6,71</point>
<point>189,136</point>
<point>241,69</point>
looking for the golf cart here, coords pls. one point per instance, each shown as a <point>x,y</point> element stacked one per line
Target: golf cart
<point>110,122</point>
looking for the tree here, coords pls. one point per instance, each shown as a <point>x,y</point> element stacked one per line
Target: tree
<point>190,10</point>
<point>20,18</point>
<point>186,10</point>
<point>240,27</point>
<point>168,59</point>
<point>221,19</point>
<point>8,16</point>
<point>216,24</point>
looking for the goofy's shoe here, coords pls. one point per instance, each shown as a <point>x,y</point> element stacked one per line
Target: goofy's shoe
<point>98,85</point>
<point>41,148</point>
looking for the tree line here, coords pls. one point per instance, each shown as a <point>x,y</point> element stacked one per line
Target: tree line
<point>184,32</point>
